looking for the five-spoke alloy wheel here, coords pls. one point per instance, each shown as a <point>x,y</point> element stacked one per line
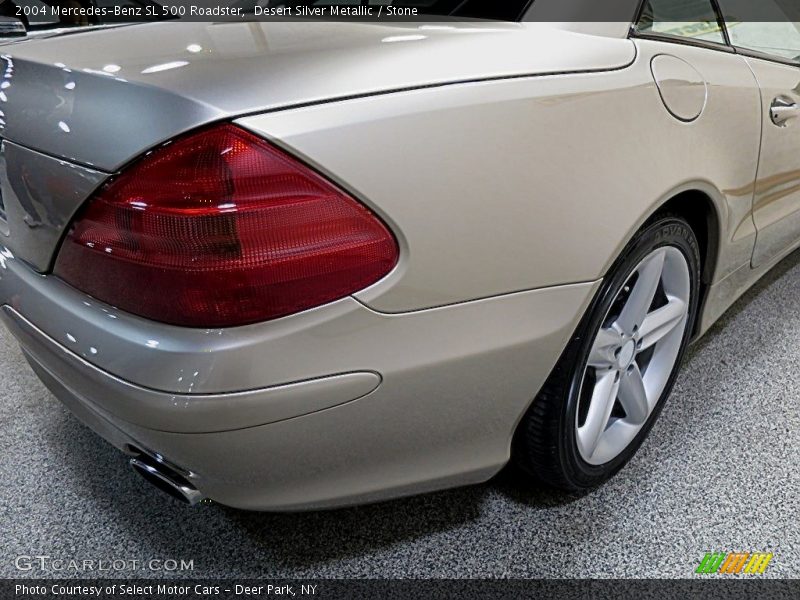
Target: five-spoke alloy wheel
<point>633,355</point>
<point>609,385</point>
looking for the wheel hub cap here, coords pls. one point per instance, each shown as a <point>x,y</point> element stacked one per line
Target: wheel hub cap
<point>626,355</point>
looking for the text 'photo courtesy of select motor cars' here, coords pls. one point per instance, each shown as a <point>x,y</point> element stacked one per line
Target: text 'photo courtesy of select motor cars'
<point>425,298</point>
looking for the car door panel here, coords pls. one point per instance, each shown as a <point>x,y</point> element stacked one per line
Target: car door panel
<point>768,38</point>
<point>776,207</point>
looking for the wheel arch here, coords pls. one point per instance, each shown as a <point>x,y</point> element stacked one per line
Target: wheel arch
<point>705,210</point>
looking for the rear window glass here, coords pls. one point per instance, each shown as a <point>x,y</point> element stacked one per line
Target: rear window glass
<point>777,35</point>
<point>693,19</point>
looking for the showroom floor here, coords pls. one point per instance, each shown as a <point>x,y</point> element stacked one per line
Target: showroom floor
<point>719,473</point>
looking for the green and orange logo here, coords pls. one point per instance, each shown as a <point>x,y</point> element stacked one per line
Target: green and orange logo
<point>734,563</point>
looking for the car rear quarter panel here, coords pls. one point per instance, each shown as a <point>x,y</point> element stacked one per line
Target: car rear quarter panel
<point>523,183</point>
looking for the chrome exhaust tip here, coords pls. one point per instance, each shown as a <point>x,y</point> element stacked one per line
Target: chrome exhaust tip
<point>166,479</point>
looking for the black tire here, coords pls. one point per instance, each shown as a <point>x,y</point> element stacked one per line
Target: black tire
<point>545,444</point>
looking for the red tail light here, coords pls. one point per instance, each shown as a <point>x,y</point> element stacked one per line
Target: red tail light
<point>219,229</point>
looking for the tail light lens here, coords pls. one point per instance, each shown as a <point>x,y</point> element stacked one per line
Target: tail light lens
<point>219,229</point>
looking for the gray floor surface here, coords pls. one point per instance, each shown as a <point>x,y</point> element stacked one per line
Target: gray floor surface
<point>718,473</point>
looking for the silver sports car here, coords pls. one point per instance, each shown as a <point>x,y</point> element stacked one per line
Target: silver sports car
<point>298,264</point>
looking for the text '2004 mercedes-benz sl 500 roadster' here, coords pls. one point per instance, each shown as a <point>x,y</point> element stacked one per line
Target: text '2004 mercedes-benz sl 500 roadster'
<point>300,264</point>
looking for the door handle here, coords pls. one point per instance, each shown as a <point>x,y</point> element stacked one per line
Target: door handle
<point>783,110</point>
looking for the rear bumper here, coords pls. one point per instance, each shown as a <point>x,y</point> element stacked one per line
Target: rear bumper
<point>335,406</point>
<point>180,412</point>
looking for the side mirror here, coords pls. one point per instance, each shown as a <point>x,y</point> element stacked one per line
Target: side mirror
<point>12,27</point>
